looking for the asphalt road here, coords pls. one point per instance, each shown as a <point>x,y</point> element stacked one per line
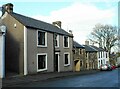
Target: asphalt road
<point>100,79</point>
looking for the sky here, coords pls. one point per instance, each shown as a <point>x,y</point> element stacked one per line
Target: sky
<point>80,16</point>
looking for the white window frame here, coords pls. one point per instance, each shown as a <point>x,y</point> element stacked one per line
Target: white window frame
<point>38,70</point>
<point>68,58</point>
<point>68,41</point>
<point>58,41</point>
<point>45,39</point>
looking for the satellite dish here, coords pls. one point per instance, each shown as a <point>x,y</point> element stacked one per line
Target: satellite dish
<point>3,28</point>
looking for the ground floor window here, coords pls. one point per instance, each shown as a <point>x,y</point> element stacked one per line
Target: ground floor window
<point>66,59</point>
<point>81,64</point>
<point>86,65</point>
<point>42,62</point>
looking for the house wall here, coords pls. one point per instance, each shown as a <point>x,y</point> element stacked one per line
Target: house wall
<point>92,60</point>
<point>80,57</point>
<point>104,59</point>
<point>62,51</point>
<point>14,44</point>
<point>1,56</point>
<point>33,50</point>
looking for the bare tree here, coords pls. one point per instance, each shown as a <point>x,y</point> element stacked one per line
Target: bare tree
<point>104,35</point>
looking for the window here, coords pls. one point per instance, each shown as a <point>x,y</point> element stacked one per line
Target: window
<point>86,54</point>
<point>42,38</point>
<point>101,54</point>
<point>81,64</point>
<point>66,59</point>
<point>106,54</point>
<point>80,51</point>
<point>56,40</point>
<point>66,41</point>
<point>42,62</point>
<point>101,62</point>
<point>86,65</point>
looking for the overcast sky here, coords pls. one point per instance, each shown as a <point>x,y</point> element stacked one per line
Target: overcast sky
<point>80,16</point>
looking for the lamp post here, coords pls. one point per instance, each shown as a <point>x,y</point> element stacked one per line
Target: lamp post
<point>2,51</point>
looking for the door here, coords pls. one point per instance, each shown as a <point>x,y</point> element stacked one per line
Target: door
<point>57,62</point>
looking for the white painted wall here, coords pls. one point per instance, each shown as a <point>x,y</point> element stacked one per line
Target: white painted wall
<point>2,55</point>
<point>103,58</point>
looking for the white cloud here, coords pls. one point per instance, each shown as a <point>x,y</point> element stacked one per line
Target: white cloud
<point>80,18</point>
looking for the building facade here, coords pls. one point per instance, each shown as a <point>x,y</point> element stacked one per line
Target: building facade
<point>35,46</point>
<point>91,57</point>
<point>78,56</point>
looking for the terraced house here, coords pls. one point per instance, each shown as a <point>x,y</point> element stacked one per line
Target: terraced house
<point>35,46</point>
<point>91,57</point>
<point>79,56</point>
<point>102,56</point>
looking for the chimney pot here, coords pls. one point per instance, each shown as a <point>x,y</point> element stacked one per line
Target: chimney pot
<point>57,23</point>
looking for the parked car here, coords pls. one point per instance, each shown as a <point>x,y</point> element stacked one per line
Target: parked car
<point>106,67</point>
<point>113,67</point>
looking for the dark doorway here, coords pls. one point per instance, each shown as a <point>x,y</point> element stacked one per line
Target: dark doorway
<point>56,62</point>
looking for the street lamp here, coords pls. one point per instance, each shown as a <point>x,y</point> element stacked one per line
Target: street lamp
<point>3,29</point>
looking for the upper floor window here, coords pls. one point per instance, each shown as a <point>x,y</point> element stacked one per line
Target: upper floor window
<point>80,51</point>
<point>106,55</point>
<point>42,38</point>
<point>56,40</point>
<point>101,54</point>
<point>86,54</point>
<point>66,41</point>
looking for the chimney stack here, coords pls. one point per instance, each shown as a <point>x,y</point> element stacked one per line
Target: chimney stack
<point>57,23</point>
<point>86,42</point>
<point>7,7</point>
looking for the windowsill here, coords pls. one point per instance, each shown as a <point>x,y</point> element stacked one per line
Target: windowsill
<point>42,46</point>
<point>56,46</point>
<point>66,47</point>
<point>41,70</point>
<point>66,65</point>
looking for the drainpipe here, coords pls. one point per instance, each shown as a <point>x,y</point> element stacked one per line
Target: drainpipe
<point>54,52</point>
<point>3,30</point>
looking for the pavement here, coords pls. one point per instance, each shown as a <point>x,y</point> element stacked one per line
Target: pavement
<point>16,80</point>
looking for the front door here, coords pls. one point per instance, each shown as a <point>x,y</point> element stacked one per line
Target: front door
<point>57,62</point>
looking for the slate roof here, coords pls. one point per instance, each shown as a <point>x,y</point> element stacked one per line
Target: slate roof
<point>77,45</point>
<point>97,48</point>
<point>37,24</point>
<point>88,48</point>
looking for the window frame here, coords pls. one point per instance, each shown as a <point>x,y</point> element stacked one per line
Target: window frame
<point>45,39</point>
<point>68,58</point>
<point>39,70</point>
<point>63,41</point>
<point>58,40</point>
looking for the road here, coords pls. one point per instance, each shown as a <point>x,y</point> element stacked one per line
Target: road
<point>100,79</point>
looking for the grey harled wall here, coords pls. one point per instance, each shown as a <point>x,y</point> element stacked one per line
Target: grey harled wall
<point>33,50</point>
<point>62,51</point>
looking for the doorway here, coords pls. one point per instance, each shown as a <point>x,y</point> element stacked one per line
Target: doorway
<point>56,62</point>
